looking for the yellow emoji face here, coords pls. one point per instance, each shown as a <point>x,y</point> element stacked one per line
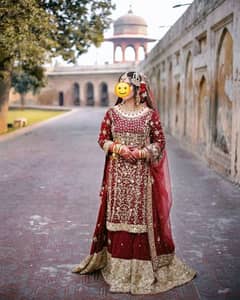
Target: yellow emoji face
<point>122,89</point>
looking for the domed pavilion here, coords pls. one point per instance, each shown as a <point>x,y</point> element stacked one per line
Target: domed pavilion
<point>129,31</point>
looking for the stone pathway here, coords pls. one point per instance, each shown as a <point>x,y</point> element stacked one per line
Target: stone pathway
<point>49,185</point>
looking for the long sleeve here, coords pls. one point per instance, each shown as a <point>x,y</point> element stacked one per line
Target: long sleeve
<point>105,135</point>
<point>157,138</point>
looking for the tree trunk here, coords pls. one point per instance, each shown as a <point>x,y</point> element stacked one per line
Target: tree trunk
<point>5,85</point>
<point>22,97</point>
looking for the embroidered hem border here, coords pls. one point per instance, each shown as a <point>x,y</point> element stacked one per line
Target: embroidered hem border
<point>126,227</point>
<point>137,276</point>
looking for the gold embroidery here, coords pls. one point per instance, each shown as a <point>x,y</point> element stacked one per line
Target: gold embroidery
<point>106,145</point>
<point>137,276</point>
<point>92,263</point>
<point>126,227</point>
<point>153,251</point>
<point>155,151</point>
<point>131,114</point>
<point>130,139</point>
<point>165,259</point>
<point>127,193</point>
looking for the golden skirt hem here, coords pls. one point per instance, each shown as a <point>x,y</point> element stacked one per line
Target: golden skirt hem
<point>92,263</point>
<point>136,276</point>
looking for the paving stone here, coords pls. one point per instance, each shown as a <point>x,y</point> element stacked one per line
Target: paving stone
<point>49,191</point>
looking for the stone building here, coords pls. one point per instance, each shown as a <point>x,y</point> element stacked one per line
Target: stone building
<point>194,71</point>
<point>93,85</point>
<point>82,85</point>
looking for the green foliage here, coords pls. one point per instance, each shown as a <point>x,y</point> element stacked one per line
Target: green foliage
<point>24,38</point>
<point>33,30</point>
<point>28,80</point>
<point>79,23</point>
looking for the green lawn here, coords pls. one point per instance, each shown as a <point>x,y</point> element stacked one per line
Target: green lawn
<point>32,115</point>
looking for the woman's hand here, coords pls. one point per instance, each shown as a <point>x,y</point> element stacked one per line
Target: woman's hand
<point>126,153</point>
<point>140,153</point>
<point>136,153</point>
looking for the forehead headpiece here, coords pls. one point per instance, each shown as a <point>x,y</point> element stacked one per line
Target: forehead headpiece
<point>135,79</point>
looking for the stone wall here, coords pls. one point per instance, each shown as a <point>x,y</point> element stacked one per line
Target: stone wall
<point>194,72</point>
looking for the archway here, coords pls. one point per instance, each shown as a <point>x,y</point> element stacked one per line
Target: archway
<point>223,101</point>
<point>158,95</point>
<point>118,55</point>
<point>188,96</point>
<point>141,53</point>
<point>178,99</point>
<point>202,121</point>
<point>76,94</point>
<point>61,98</point>
<point>164,105</point>
<point>170,95</point>
<point>104,98</point>
<point>90,94</point>
<point>130,54</point>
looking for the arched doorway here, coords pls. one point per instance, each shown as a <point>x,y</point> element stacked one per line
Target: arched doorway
<point>76,94</point>
<point>188,96</point>
<point>202,121</point>
<point>90,94</point>
<point>223,103</point>
<point>104,98</point>
<point>61,98</point>
<point>164,105</point>
<point>178,99</point>
<point>159,91</point>
<point>170,95</point>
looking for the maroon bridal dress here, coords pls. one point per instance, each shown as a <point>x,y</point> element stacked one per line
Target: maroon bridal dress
<point>132,243</point>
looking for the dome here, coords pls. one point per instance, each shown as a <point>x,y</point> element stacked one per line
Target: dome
<point>130,24</point>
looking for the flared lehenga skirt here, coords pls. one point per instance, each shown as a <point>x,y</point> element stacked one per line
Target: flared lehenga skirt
<point>123,240</point>
<point>128,267</point>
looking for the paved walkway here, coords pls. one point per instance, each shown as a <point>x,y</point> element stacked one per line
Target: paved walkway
<point>49,184</point>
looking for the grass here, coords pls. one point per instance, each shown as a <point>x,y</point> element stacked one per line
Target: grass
<point>32,115</point>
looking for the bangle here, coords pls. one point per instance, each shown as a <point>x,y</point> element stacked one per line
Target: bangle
<point>117,147</point>
<point>143,153</point>
<point>107,146</point>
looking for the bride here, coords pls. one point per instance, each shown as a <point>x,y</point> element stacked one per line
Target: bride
<point>132,244</point>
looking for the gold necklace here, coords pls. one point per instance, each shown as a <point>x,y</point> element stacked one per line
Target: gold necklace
<point>131,113</point>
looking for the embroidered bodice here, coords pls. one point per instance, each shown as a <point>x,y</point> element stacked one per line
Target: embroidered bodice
<point>138,129</point>
<point>128,184</point>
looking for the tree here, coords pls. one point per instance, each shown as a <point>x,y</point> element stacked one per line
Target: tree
<point>28,80</point>
<point>33,31</point>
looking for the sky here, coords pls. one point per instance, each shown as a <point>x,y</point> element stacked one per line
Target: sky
<point>159,15</point>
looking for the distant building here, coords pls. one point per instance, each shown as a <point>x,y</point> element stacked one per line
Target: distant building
<point>130,34</point>
<point>93,85</point>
